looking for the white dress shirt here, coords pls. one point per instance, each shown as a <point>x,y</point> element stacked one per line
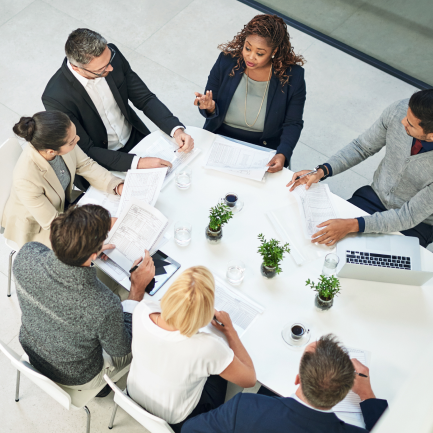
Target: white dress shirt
<point>295,397</point>
<point>118,128</point>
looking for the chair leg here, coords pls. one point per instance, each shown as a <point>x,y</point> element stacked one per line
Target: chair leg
<point>10,272</point>
<point>88,418</point>
<point>17,389</point>
<point>110,426</point>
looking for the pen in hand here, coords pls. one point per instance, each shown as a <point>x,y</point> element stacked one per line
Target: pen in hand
<point>306,174</point>
<point>134,268</point>
<point>360,374</point>
<point>219,323</point>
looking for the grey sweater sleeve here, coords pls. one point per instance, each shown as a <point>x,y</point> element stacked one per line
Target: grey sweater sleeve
<point>413,212</point>
<point>366,145</point>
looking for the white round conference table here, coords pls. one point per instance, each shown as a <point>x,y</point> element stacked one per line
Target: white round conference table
<point>393,322</point>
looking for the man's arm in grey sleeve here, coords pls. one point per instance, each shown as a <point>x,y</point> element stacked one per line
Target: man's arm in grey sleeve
<point>413,212</point>
<point>367,144</point>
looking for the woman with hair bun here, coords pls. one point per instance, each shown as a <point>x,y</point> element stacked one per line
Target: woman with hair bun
<point>44,175</point>
<point>256,90</point>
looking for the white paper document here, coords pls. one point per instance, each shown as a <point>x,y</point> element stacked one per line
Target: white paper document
<point>351,403</point>
<point>167,150</point>
<point>142,185</point>
<point>139,228</point>
<point>235,158</point>
<point>242,310</point>
<point>108,201</point>
<point>315,205</point>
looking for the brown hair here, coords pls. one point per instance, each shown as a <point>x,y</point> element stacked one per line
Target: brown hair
<point>45,130</point>
<point>327,373</point>
<point>79,233</point>
<point>188,304</point>
<point>274,30</point>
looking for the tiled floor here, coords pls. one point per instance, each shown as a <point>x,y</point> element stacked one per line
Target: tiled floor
<point>171,44</point>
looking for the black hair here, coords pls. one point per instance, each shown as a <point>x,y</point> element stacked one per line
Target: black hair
<point>421,105</point>
<point>45,130</point>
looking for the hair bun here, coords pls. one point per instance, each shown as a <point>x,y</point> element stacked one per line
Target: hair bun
<point>25,128</point>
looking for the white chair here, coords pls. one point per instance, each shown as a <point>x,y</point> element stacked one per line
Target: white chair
<point>70,399</point>
<point>147,420</point>
<point>10,151</point>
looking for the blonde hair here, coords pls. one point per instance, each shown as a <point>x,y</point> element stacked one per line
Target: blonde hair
<point>188,304</point>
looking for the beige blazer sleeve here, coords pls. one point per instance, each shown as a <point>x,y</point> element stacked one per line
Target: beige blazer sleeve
<point>97,176</point>
<point>32,196</point>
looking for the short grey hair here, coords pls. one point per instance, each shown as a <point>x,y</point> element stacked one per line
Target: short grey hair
<point>83,45</point>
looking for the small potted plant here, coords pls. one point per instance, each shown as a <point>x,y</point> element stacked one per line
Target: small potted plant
<point>272,253</point>
<point>219,215</point>
<point>326,289</point>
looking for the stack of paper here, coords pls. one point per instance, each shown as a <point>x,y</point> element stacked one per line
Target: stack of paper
<point>168,151</point>
<point>234,158</point>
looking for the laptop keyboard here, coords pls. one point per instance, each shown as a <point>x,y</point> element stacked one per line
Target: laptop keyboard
<point>373,259</point>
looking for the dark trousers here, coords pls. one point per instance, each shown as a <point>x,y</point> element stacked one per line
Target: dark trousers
<point>135,137</point>
<point>366,199</point>
<point>213,396</point>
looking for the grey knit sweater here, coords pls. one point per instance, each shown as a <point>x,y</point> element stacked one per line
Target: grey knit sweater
<point>404,183</point>
<point>68,317</point>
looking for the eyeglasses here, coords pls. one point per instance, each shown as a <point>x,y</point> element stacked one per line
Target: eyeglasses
<point>100,74</point>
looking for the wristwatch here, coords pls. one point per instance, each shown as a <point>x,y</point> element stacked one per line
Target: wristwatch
<point>325,171</point>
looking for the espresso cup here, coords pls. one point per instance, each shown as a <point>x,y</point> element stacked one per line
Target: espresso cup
<point>298,331</point>
<point>231,199</point>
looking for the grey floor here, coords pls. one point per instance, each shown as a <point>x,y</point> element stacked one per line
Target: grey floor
<point>393,31</point>
<point>171,44</point>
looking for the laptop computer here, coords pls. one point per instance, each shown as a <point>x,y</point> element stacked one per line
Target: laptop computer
<point>384,258</point>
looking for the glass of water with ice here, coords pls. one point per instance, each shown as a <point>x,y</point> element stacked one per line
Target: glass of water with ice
<point>183,178</point>
<point>182,233</point>
<point>235,272</point>
<point>330,265</point>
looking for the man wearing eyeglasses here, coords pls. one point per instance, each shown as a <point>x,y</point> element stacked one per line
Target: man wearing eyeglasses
<point>93,87</point>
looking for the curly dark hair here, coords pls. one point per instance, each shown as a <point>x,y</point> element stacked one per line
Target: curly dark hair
<point>274,30</point>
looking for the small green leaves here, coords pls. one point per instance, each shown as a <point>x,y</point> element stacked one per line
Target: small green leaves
<point>272,252</point>
<point>219,215</point>
<point>327,287</point>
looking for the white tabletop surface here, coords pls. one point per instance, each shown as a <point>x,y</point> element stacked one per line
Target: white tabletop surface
<point>391,321</point>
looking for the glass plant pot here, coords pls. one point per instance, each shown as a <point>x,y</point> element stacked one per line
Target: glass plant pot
<point>213,237</point>
<point>323,305</point>
<point>267,271</point>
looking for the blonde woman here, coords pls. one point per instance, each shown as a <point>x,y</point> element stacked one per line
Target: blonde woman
<point>178,372</point>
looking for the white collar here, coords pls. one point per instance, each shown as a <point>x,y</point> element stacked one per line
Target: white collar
<point>83,80</point>
<point>295,397</point>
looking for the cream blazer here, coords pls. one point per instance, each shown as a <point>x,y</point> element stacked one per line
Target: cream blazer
<point>37,197</point>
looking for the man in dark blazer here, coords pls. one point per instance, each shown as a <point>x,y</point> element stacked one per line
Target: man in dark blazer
<point>326,375</point>
<point>93,87</point>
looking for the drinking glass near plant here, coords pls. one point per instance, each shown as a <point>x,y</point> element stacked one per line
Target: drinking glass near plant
<point>272,253</point>
<point>327,288</point>
<point>219,216</point>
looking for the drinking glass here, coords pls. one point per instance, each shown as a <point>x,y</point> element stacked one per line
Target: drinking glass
<point>182,233</point>
<point>235,272</point>
<point>183,178</point>
<point>330,265</point>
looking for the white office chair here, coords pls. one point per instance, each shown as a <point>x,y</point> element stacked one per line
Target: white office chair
<point>147,420</point>
<point>10,151</point>
<point>70,399</point>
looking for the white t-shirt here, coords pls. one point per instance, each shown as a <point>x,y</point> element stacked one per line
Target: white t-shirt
<point>169,370</point>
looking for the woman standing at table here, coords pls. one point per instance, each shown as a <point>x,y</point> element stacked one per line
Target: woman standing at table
<point>177,371</point>
<point>256,89</point>
<point>44,175</point>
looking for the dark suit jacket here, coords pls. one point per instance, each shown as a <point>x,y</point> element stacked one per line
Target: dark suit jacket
<point>284,109</point>
<point>65,93</point>
<point>254,413</point>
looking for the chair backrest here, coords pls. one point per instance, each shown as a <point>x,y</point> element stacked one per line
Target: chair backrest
<point>47,385</point>
<point>10,151</point>
<point>147,420</point>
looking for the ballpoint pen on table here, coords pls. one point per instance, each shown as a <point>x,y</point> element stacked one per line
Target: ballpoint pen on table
<point>307,174</point>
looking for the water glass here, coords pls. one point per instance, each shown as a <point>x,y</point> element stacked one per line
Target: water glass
<point>235,272</point>
<point>330,265</point>
<point>183,178</point>
<point>182,233</point>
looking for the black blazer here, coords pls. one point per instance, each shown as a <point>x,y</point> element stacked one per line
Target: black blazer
<point>254,413</point>
<point>65,93</point>
<point>284,108</point>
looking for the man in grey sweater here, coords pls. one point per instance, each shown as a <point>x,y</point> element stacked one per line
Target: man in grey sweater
<point>74,329</point>
<point>400,199</point>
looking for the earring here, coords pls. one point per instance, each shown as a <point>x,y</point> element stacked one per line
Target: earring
<point>273,56</point>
